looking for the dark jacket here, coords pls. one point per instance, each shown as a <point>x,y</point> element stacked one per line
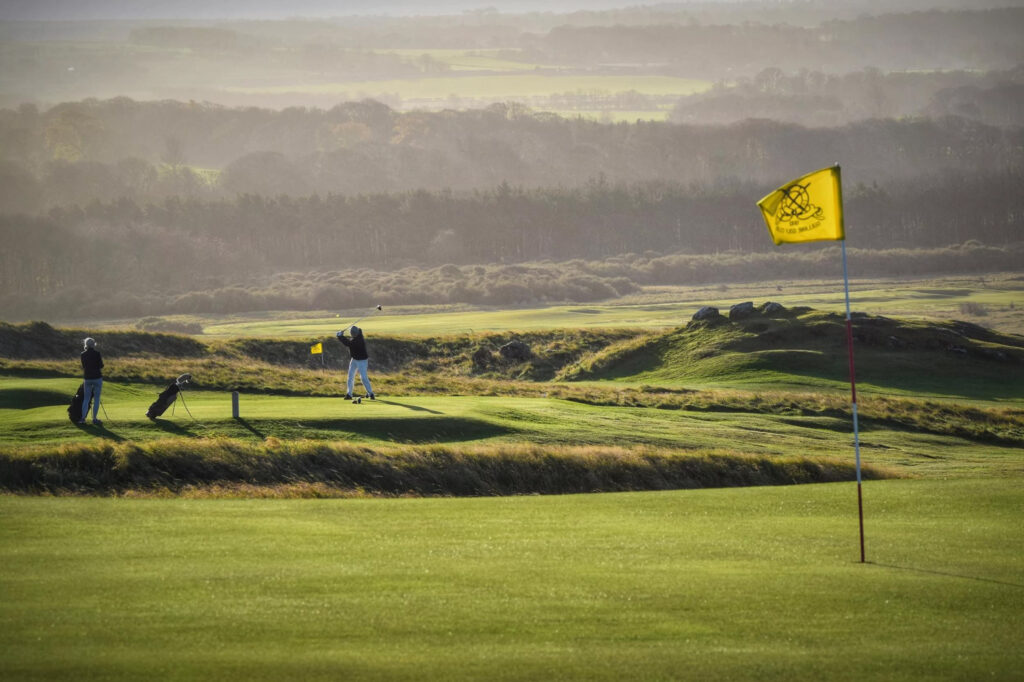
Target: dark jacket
<point>356,346</point>
<point>92,363</point>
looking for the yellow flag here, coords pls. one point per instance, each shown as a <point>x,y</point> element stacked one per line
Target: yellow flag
<point>808,209</point>
<point>317,349</point>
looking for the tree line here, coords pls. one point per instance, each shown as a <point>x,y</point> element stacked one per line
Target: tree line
<point>179,245</point>
<point>818,99</point>
<point>104,150</point>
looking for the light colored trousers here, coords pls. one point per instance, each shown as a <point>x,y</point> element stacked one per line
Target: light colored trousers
<point>359,365</point>
<point>93,388</point>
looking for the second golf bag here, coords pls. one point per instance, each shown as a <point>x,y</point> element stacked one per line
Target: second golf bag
<point>75,408</point>
<point>167,396</point>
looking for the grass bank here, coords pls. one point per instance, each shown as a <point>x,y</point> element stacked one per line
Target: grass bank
<point>309,468</point>
<point>917,437</point>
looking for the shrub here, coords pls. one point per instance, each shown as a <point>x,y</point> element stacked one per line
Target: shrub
<point>973,309</point>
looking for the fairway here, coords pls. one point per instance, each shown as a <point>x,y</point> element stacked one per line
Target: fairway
<point>658,308</point>
<point>760,583</point>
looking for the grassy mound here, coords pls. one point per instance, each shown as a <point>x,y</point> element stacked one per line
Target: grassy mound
<point>467,354</point>
<point>313,468</point>
<point>40,340</point>
<point>475,354</point>
<point>810,347</point>
<point>796,348</point>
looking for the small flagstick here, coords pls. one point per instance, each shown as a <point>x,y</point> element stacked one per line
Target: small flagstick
<point>853,394</point>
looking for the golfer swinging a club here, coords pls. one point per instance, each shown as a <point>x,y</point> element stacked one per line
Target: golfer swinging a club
<point>357,348</point>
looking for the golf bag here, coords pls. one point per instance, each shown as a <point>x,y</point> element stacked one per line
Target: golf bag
<point>167,396</point>
<point>75,408</point>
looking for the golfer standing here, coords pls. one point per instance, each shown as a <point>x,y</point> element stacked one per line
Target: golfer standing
<point>357,348</point>
<point>92,366</point>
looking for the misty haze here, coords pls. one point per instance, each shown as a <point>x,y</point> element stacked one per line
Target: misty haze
<point>511,340</point>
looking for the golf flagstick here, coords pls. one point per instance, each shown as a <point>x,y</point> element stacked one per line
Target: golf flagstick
<point>853,395</point>
<point>810,209</point>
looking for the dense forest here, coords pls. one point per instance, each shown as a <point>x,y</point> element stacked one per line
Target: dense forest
<point>161,250</point>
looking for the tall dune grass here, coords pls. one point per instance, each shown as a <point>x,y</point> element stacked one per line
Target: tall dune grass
<point>318,469</point>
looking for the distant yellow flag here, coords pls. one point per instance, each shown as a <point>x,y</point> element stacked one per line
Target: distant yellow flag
<point>317,349</point>
<point>808,209</point>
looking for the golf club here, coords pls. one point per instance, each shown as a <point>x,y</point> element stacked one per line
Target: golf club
<point>372,312</point>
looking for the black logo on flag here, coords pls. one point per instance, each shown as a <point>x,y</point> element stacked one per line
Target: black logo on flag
<point>796,204</point>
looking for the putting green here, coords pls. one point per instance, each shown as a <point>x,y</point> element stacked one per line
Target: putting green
<point>758,583</point>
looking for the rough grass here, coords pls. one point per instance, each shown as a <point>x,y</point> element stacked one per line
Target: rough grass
<point>476,354</point>
<point>343,469</point>
<point>40,340</point>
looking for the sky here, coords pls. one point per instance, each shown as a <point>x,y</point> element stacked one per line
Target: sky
<point>78,10</point>
<point>272,9</point>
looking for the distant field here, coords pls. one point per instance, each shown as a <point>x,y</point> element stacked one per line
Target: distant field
<point>758,583</point>
<point>490,86</point>
<point>615,115</point>
<point>468,60</point>
<point>74,70</point>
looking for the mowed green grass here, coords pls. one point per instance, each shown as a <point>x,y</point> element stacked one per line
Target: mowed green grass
<point>755,583</point>
<point>33,412</point>
<point>760,583</point>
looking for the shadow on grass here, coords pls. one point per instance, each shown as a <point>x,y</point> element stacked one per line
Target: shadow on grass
<point>250,428</point>
<point>28,398</point>
<point>415,408</point>
<point>929,373</point>
<point>100,432</point>
<point>947,574</point>
<point>414,429</point>
<point>171,427</point>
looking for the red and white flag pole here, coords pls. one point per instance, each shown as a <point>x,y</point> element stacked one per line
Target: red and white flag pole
<point>853,395</point>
